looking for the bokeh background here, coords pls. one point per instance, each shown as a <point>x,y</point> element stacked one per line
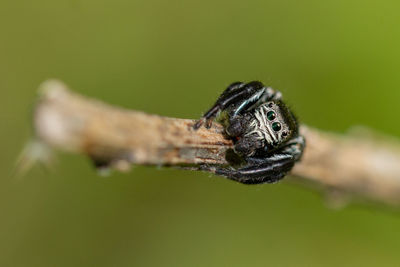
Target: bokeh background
<point>336,62</point>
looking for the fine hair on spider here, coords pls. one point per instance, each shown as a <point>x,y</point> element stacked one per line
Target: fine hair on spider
<point>263,129</point>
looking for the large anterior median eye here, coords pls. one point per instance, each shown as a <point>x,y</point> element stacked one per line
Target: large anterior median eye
<point>271,115</point>
<point>276,126</point>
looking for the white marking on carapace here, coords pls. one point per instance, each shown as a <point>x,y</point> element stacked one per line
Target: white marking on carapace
<point>262,129</point>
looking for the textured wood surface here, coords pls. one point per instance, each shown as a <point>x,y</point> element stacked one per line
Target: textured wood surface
<point>358,166</point>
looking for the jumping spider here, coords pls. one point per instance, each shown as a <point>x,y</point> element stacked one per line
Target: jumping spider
<point>264,132</point>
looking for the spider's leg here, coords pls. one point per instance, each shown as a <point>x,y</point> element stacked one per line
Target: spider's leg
<point>236,120</point>
<point>295,147</point>
<point>267,169</point>
<point>271,94</point>
<point>235,94</point>
<point>232,87</point>
<point>267,94</point>
<point>211,113</point>
<point>261,170</point>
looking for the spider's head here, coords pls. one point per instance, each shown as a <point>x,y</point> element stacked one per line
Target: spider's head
<point>281,124</point>
<point>272,125</point>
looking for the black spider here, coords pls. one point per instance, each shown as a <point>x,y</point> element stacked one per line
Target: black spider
<point>263,129</point>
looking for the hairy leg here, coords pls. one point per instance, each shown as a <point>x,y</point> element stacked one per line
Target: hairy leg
<point>267,169</point>
<point>235,94</point>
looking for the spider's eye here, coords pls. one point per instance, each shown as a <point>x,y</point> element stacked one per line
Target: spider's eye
<point>276,126</point>
<point>271,115</point>
<point>284,134</point>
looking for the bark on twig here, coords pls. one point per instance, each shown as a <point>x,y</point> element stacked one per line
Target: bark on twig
<point>68,121</point>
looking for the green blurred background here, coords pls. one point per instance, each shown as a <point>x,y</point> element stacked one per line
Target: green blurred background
<point>336,63</point>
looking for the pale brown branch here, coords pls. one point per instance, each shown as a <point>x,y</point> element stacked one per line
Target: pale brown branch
<point>120,137</point>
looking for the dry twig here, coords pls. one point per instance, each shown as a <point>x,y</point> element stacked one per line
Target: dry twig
<point>67,121</point>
